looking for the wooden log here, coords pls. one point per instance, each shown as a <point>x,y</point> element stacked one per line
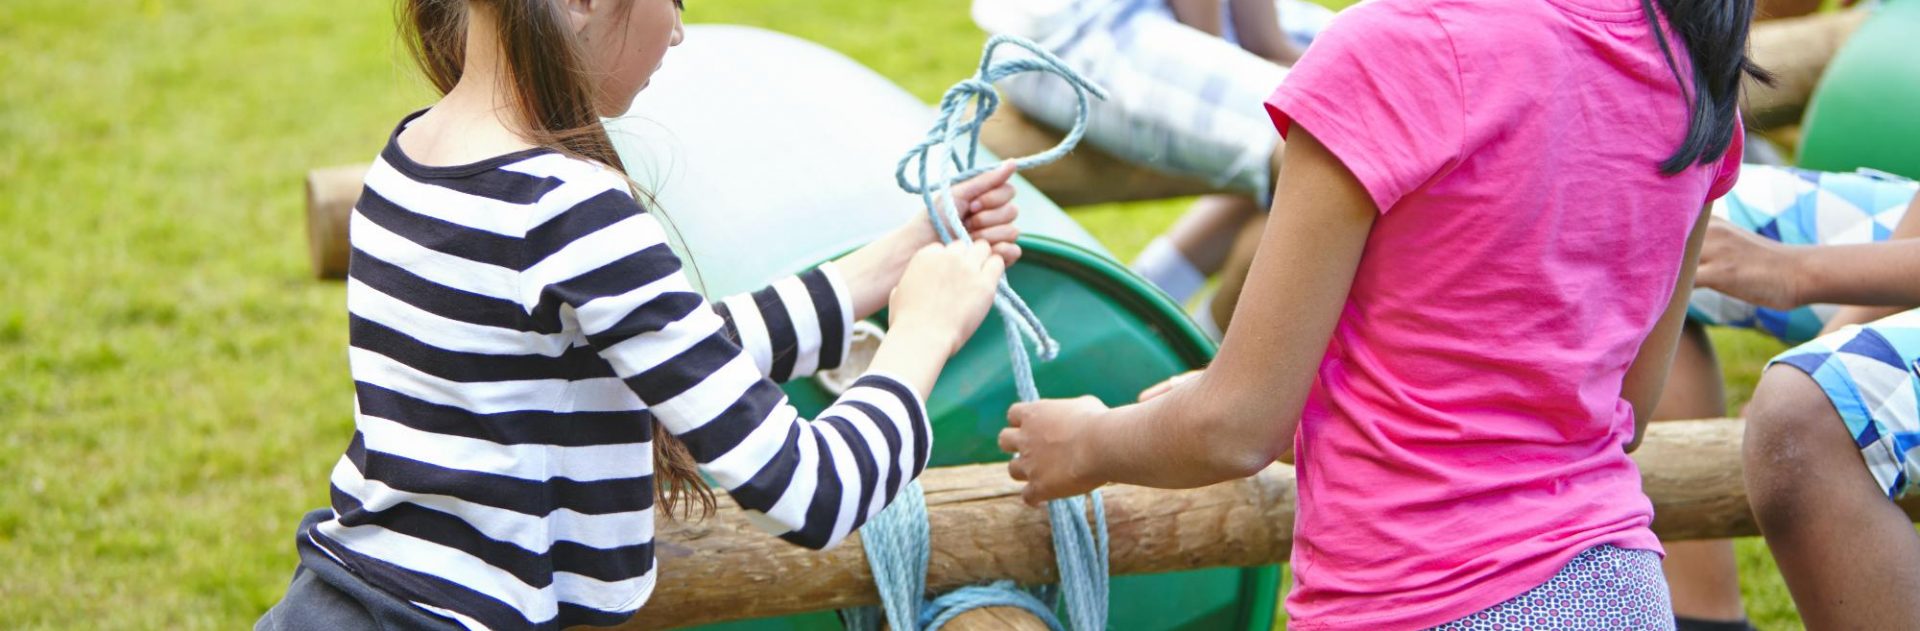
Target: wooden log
<point>1776,9</point>
<point>1796,50</point>
<point>1088,175</point>
<point>724,569</point>
<point>331,193</point>
<point>981,531</point>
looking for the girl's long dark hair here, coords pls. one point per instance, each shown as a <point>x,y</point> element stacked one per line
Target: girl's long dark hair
<point>554,93</point>
<point>1715,33</point>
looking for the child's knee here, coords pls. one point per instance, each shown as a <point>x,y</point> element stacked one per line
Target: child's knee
<point>1791,429</point>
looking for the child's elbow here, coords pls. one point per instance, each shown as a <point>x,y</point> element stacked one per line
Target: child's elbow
<point>1633,442</point>
<point>1248,461</point>
<point>816,536</point>
<point>815,541</point>
<point>1245,443</point>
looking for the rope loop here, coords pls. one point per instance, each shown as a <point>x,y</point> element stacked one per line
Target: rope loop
<point>897,540</point>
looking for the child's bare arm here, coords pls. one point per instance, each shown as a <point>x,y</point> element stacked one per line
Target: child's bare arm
<point>1770,274</point>
<point>1883,274</point>
<point>1647,376</point>
<point>1240,414</point>
<point>1200,14</point>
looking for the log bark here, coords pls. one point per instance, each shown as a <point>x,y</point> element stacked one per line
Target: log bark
<point>1796,50</point>
<point>331,193</point>
<point>724,569</point>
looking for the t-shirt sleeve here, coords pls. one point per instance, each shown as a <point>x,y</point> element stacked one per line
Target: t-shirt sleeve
<point>1381,89</point>
<point>1729,167</point>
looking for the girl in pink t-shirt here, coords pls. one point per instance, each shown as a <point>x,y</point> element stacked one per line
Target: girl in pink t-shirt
<point>1461,314</point>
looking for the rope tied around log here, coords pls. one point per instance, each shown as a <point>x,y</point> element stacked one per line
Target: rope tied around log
<point>897,541</point>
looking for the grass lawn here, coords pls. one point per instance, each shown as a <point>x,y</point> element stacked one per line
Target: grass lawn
<point>176,386</point>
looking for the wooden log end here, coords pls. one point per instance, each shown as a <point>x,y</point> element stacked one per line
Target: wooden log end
<point>331,193</point>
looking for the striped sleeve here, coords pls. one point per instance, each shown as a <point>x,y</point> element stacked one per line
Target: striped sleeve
<point>810,481</point>
<point>795,327</point>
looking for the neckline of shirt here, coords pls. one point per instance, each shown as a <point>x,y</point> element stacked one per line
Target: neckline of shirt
<point>398,157</point>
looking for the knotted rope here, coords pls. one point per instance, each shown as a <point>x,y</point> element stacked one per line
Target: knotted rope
<point>897,539</point>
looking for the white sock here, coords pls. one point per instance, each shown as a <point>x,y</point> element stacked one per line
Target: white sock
<point>1203,316</point>
<point>1164,266</point>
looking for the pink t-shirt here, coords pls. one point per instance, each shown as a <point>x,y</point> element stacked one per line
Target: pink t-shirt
<point>1464,437</point>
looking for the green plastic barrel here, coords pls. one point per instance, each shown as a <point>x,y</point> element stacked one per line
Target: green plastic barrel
<point>769,154</point>
<point>1866,111</point>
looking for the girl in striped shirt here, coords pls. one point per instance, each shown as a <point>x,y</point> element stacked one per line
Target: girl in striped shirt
<point>534,374</point>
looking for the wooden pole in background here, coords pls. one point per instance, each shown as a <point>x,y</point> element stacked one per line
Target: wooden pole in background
<point>331,193</point>
<point>1796,50</point>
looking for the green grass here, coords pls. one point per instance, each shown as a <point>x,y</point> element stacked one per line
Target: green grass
<point>176,386</point>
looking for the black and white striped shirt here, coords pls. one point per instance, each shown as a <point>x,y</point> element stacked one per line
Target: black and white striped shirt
<point>517,325</point>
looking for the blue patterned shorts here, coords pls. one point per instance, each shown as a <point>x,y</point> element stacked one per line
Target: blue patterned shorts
<point>1605,588</point>
<point>1801,207</point>
<point>1871,374</point>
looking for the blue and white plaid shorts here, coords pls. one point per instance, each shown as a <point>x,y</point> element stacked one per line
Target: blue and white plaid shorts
<point>1179,100</point>
<point>1801,207</point>
<point>1871,374</point>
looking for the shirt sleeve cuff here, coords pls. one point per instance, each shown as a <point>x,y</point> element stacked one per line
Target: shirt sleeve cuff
<point>836,328</point>
<point>1287,107</point>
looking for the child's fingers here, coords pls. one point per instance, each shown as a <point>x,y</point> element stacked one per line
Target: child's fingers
<point>1008,251</point>
<point>993,268</point>
<point>979,184</point>
<point>1017,413</point>
<point>1010,439</point>
<point>1002,233</point>
<point>992,198</point>
<point>993,216</point>
<point>1155,391</point>
<point>1166,386</point>
<point>1032,496</point>
<point>977,254</point>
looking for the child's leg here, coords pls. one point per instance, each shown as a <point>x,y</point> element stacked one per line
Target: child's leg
<point>1180,101</point>
<point>326,596</point>
<point>1233,277</point>
<point>1257,25</point>
<point>1703,575</point>
<point>1824,451</point>
<point>1233,274</point>
<point>1180,261</point>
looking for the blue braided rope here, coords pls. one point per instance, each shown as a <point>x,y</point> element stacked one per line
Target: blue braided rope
<point>897,540</point>
<point>996,594</point>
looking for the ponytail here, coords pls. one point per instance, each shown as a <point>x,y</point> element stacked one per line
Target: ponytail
<point>1715,34</point>
<point>554,93</point>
